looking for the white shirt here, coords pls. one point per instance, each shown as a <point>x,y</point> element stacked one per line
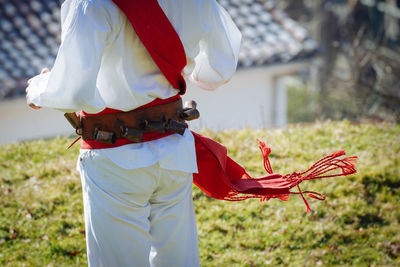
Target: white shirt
<point>102,63</point>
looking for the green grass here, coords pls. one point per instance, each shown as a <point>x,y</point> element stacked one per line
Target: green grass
<point>41,222</point>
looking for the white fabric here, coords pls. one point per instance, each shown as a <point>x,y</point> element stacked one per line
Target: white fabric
<point>102,63</point>
<point>141,217</point>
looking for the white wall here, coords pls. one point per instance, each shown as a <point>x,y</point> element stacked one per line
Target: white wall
<point>19,122</point>
<point>245,102</point>
<point>254,98</point>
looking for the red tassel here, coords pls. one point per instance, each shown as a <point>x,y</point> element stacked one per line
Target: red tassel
<point>325,166</point>
<point>265,151</point>
<point>304,199</point>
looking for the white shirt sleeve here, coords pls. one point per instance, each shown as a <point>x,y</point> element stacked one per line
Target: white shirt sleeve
<point>71,84</point>
<point>218,49</point>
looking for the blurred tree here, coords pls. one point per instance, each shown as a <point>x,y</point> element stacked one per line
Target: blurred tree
<point>370,43</point>
<point>360,49</point>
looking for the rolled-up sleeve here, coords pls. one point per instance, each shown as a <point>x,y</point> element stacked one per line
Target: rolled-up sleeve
<point>71,84</point>
<point>219,47</point>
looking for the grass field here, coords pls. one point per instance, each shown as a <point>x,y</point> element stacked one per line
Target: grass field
<point>41,222</point>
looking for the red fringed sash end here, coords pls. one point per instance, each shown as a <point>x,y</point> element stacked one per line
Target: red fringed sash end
<point>222,178</point>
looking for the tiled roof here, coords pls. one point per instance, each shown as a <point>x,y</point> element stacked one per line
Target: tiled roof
<point>269,35</point>
<point>30,36</point>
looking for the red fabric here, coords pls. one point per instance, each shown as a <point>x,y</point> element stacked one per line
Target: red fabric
<point>222,178</point>
<point>158,36</point>
<point>93,144</point>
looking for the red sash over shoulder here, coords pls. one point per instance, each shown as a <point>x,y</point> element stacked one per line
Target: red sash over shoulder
<point>158,36</point>
<point>219,176</point>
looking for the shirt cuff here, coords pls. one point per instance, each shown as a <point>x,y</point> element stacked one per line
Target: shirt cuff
<point>37,87</point>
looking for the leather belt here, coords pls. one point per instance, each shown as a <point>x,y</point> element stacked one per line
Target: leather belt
<point>131,125</point>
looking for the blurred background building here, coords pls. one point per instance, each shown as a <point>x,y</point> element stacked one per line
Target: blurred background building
<point>274,46</point>
<point>359,70</point>
<point>300,60</point>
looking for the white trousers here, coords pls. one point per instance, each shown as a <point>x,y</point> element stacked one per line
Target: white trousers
<point>139,217</point>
